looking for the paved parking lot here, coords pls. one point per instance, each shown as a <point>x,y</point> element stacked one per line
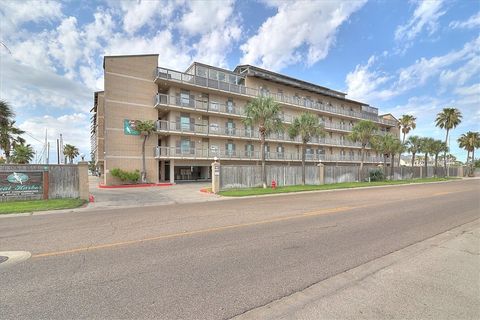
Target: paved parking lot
<point>149,196</point>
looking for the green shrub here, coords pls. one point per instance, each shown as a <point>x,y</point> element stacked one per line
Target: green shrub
<point>123,175</point>
<point>376,175</point>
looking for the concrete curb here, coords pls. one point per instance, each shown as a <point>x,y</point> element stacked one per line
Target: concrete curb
<point>286,306</point>
<point>343,189</point>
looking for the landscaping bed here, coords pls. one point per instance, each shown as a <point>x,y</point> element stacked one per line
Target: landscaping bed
<point>298,188</point>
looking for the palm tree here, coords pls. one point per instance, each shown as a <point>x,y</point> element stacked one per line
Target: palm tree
<point>146,128</point>
<point>405,124</point>
<point>426,148</point>
<point>437,147</point>
<point>70,152</point>
<point>263,112</point>
<point>414,146</point>
<point>9,138</point>
<point>5,113</point>
<point>22,154</point>
<point>306,127</point>
<point>470,141</point>
<point>363,132</point>
<point>388,145</point>
<point>448,118</point>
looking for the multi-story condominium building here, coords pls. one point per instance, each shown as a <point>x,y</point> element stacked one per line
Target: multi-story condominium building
<point>199,117</point>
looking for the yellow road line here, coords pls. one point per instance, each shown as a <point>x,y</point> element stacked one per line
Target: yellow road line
<point>215,229</point>
<point>189,233</point>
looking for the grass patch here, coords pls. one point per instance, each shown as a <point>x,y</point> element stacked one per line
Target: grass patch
<point>39,205</point>
<point>344,185</point>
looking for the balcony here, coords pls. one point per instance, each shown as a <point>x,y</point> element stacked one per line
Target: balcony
<point>190,79</point>
<point>213,130</point>
<point>204,106</point>
<point>206,154</point>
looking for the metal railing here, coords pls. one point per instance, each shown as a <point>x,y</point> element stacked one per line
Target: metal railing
<point>164,126</point>
<point>172,75</point>
<point>229,110</point>
<point>192,153</point>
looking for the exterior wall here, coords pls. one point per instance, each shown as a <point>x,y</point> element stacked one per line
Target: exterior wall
<point>129,91</point>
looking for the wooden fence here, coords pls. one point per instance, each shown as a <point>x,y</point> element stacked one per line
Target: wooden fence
<point>246,176</point>
<point>64,181</point>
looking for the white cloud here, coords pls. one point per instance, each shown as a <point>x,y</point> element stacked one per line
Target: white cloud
<point>73,127</point>
<point>205,16</point>
<point>425,17</point>
<point>366,84</point>
<point>66,48</point>
<point>216,25</point>
<point>172,55</point>
<point>137,14</point>
<point>472,22</point>
<point>28,87</point>
<point>313,25</point>
<point>363,82</point>
<point>15,13</point>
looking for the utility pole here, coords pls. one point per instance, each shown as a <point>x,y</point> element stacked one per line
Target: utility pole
<point>58,151</point>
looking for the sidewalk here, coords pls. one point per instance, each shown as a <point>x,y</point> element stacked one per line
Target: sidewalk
<point>438,278</point>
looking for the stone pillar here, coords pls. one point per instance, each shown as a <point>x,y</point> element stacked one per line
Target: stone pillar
<point>215,177</point>
<point>172,171</point>
<point>460,172</point>
<point>162,170</point>
<point>83,189</point>
<point>321,173</point>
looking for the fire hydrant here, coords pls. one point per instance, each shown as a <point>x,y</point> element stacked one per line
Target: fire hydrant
<point>274,184</point>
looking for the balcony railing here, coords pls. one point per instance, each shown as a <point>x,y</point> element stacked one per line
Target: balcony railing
<point>163,73</point>
<point>191,153</point>
<point>164,126</point>
<point>229,110</point>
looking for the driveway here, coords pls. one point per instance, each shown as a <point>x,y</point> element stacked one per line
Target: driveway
<point>149,196</point>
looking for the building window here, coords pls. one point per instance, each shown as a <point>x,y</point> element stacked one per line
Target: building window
<point>249,150</point>
<point>201,72</point>
<point>185,98</point>
<point>230,127</point>
<point>230,148</point>
<point>230,106</point>
<point>185,123</point>
<point>214,105</point>
<point>185,146</point>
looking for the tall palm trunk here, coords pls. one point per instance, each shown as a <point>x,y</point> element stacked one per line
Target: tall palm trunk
<point>385,165</point>
<point>467,163</point>
<point>304,145</point>
<point>144,173</point>
<point>472,164</point>
<point>413,159</point>
<point>392,164</point>
<point>400,155</point>
<point>426,167</point>
<point>445,155</point>
<point>262,147</point>
<point>360,173</point>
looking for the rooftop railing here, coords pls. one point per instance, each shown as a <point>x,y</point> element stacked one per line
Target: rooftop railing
<point>172,75</point>
<point>222,154</point>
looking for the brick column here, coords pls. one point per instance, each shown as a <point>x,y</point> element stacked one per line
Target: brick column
<point>215,177</point>
<point>321,173</point>
<point>83,189</point>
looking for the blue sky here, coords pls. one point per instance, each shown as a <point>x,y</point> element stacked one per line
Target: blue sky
<point>404,57</point>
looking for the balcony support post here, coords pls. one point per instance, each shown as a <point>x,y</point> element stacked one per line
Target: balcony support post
<point>172,171</point>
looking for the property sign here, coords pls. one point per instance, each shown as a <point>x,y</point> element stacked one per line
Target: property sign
<point>130,127</point>
<point>21,184</point>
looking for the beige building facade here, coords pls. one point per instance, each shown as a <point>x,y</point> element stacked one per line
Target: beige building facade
<point>199,117</point>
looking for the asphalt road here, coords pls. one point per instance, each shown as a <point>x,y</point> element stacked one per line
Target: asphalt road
<point>213,260</point>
